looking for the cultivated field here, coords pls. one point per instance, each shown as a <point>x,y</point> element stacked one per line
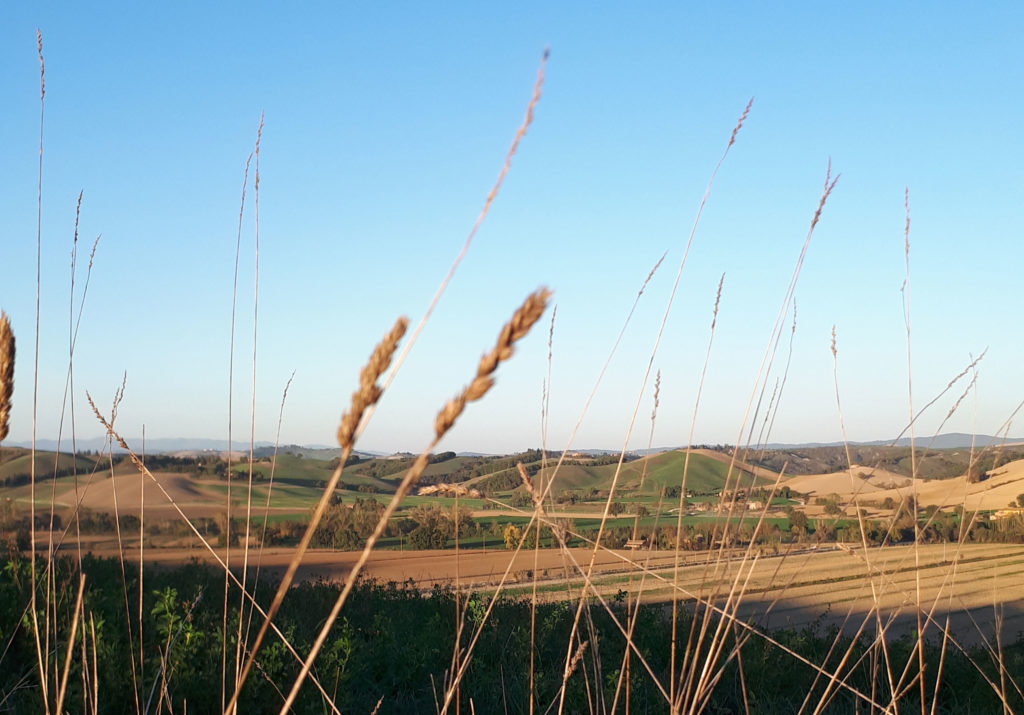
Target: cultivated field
<point>973,590</point>
<point>872,485</point>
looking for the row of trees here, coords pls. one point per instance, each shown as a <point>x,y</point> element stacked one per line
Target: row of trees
<point>347,524</point>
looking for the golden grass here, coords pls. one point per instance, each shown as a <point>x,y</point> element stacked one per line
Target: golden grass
<point>448,490</point>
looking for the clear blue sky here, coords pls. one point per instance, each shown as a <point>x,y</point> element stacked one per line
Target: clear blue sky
<point>386,125</point>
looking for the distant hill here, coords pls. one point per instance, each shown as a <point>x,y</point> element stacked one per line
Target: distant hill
<point>707,472</point>
<point>309,452</point>
<point>153,446</point>
<point>950,440</point>
<point>16,465</point>
<point>162,445</point>
<point>943,457</point>
<point>925,463</point>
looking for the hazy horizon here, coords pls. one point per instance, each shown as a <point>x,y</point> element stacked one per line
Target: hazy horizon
<point>384,130</point>
<point>167,445</point>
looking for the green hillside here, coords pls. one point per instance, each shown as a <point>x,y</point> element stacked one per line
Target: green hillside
<point>16,465</point>
<point>445,467</point>
<point>579,476</point>
<point>660,470</point>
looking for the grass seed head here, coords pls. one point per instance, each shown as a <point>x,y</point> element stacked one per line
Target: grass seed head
<point>449,489</point>
<point>369,392</point>
<point>576,658</point>
<point>515,329</point>
<point>6,374</point>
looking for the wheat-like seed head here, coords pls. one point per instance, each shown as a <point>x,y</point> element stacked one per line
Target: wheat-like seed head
<point>651,275</point>
<point>6,374</point>
<point>516,329</point>
<point>368,392</point>
<point>718,300</point>
<point>577,657</point>
<point>830,184</point>
<point>453,489</point>
<point>657,395</point>
<point>42,70</point>
<point>739,124</point>
<point>528,484</point>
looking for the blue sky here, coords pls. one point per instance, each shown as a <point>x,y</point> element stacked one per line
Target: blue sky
<point>385,127</point>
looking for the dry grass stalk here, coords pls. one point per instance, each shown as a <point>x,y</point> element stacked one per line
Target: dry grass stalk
<point>913,452</point>
<point>516,329</point>
<point>231,402</point>
<point>699,600</point>
<point>577,657</point>
<point>597,383</point>
<point>528,484</point>
<point>143,469</point>
<point>546,392</point>
<point>739,124</point>
<point>545,403</point>
<point>270,488</point>
<point>698,686</point>
<point>561,532</point>
<point>673,684</point>
<point>449,489</point>
<point>491,196</point>
<point>6,374</point>
<point>252,410</point>
<point>654,351</point>
<point>657,397</point>
<point>71,644</point>
<point>42,659</point>
<point>369,392</point>
<point>624,670</point>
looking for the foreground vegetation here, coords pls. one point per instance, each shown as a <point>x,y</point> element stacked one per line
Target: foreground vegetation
<point>395,644</point>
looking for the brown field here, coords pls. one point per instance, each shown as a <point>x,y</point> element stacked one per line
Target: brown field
<point>727,460</point>
<point>996,492</point>
<point>975,587</point>
<point>130,488</point>
<point>98,492</point>
<point>475,568</point>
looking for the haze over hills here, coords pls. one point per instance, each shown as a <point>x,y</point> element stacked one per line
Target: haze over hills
<point>951,440</point>
<point>173,445</point>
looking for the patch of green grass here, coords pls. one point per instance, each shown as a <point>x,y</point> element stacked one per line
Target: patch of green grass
<point>17,464</point>
<point>305,471</point>
<point>665,469</point>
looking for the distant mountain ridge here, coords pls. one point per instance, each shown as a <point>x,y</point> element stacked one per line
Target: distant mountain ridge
<point>263,448</point>
<point>950,440</point>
